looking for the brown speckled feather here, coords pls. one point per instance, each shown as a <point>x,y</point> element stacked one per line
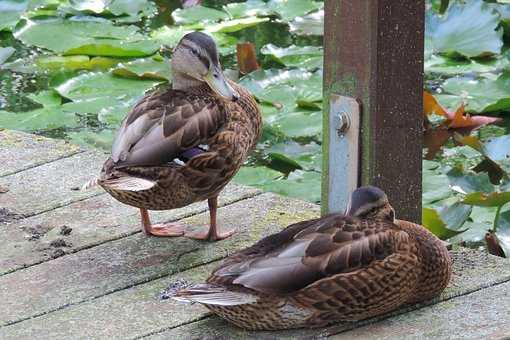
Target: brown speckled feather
<point>336,268</point>
<point>166,124</point>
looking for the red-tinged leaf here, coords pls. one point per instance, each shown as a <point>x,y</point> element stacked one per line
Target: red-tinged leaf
<point>431,105</point>
<point>434,139</point>
<point>461,120</point>
<point>493,244</point>
<point>247,58</point>
<point>471,141</point>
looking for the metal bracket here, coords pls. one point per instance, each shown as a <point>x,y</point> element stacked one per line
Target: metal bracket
<point>343,167</point>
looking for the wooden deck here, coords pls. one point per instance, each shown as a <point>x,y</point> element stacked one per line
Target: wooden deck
<point>74,264</point>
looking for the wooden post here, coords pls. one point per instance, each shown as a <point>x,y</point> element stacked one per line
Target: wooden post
<point>373,53</point>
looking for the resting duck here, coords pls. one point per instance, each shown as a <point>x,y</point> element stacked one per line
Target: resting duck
<point>335,268</point>
<point>184,144</point>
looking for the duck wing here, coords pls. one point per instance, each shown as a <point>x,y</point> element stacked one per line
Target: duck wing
<point>164,125</point>
<point>309,251</point>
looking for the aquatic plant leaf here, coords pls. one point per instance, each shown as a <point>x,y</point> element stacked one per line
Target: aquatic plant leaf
<point>300,124</point>
<point>92,37</point>
<point>104,94</point>
<point>11,13</point>
<point>234,25</point>
<point>311,24</point>
<point>469,182</point>
<point>6,53</point>
<point>493,199</point>
<point>307,57</point>
<point>256,175</point>
<point>469,29</point>
<point>75,62</point>
<point>144,68</point>
<point>301,184</point>
<point>443,65</point>
<point>195,14</point>
<point>433,221</point>
<point>284,9</point>
<point>50,116</point>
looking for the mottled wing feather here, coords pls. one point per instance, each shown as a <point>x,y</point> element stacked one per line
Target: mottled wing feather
<point>317,249</point>
<point>164,125</point>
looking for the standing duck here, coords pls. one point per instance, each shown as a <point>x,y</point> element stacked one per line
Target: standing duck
<point>184,144</point>
<point>335,268</point>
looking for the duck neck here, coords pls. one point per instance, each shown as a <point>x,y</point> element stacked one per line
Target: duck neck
<point>183,82</point>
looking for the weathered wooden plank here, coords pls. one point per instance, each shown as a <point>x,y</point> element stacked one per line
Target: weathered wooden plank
<point>136,259</point>
<point>128,313</point>
<point>375,54</point>
<point>51,185</point>
<point>86,223</point>
<point>473,270</point>
<point>484,314</point>
<point>22,151</point>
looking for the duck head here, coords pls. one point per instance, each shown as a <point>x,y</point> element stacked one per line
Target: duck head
<point>370,202</point>
<point>195,61</point>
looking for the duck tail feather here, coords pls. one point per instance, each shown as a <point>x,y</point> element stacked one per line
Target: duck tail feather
<point>214,295</point>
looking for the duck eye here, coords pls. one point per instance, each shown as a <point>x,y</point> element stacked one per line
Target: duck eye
<point>194,51</point>
<point>216,75</point>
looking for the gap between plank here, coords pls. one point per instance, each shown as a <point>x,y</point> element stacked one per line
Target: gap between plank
<point>121,236</point>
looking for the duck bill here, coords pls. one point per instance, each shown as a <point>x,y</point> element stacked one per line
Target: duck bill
<point>220,86</point>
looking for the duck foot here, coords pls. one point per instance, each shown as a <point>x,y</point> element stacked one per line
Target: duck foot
<point>171,229</point>
<point>165,229</point>
<point>212,234</point>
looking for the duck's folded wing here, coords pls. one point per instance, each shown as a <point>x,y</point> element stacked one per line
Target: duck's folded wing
<point>330,246</point>
<point>163,126</point>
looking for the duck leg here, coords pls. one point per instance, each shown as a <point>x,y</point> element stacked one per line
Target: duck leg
<point>212,234</point>
<point>160,229</point>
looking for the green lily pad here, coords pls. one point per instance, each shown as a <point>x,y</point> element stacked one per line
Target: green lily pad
<point>191,15</point>
<point>300,124</point>
<point>497,149</point>
<point>469,29</point>
<point>435,186</point>
<point>229,26</point>
<point>75,62</point>
<point>308,57</point>
<point>433,221</point>
<point>282,163</point>
<point>50,116</point>
<point>112,95</point>
<point>6,53</point>
<point>256,175</point>
<point>145,68</point>
<point>448,66</point>
<point>503,232</point>
<point>307,156</point>
<point>494,199</point>
<point>284,9</point>
<point>250,8</point>
<point>468,182</point>
<point>311,24</point>
<point>455,215</point>
<point>11,13</point>
<point>286,88</point>
<point>289,10</point>
<point>305,185</point>
<point>89,37</point>
<point>99,139</point>
<point>481,95</point>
